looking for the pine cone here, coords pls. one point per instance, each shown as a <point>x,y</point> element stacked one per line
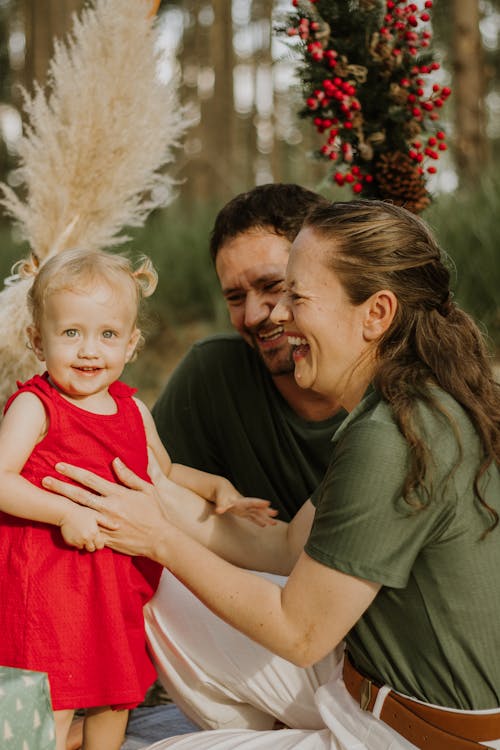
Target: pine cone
<point>397,179</point>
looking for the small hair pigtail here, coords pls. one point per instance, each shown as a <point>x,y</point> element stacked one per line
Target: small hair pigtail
<point>145,276</point>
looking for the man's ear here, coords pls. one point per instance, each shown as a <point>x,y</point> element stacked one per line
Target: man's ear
<point>380,311</point>
<point>35,342</point>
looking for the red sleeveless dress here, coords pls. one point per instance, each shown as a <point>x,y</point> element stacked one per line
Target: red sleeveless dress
<point>74,614</point>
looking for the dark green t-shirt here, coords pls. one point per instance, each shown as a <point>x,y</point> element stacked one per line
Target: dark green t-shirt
<point>221,412</point>
<point>433,631</point>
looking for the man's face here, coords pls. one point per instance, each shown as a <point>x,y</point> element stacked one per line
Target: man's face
<point>251,268</point>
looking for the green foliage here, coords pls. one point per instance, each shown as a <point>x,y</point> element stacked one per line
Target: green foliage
<point>176,240</point>
<point>468,228</point>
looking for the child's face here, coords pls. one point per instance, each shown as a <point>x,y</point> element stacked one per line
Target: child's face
<point>85,338</point>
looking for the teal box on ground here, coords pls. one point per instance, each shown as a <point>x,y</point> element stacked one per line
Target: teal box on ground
<point>26,718</point>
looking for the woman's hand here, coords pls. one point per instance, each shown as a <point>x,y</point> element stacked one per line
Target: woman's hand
<point>133,512</point>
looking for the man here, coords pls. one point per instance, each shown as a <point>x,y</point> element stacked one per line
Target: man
<point>232,407</point>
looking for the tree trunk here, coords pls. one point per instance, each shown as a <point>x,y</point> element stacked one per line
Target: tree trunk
<point>471,143</point>
<point>42,22</point>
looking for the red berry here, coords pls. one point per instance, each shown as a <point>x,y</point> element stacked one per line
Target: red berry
<point>357,187</point>
<point>432,170</point>
<point>425,17</point>
<point>349,177</point>
<point>442,147</point>
<point>441,135</point>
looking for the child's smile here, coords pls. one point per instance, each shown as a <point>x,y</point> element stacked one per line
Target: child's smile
<point>85,338</point>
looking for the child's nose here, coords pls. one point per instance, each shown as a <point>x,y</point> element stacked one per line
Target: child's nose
<point>88,348</point>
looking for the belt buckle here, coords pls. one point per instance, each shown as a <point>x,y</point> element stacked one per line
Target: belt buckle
<point>365,694</point>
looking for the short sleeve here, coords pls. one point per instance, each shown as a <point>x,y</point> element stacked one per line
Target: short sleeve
<point>363,526</point>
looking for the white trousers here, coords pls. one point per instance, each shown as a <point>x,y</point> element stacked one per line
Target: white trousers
<point>220,678</point>
<point>224,681</point>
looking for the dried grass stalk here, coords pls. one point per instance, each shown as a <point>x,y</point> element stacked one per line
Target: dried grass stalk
<point>93,152</point>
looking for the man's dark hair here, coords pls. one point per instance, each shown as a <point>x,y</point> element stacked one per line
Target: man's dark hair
<point>279,207</point>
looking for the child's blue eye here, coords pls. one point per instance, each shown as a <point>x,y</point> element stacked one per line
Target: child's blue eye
<point>108,334</point>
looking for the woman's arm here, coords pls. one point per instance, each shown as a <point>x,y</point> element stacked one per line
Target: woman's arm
<point>274,549</point>
<point>301,622</point>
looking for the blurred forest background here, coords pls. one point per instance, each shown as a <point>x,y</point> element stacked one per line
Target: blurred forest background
<point>239,77</point>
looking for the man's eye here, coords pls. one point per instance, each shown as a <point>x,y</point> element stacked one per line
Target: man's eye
<point>71,333</point>
<point>235,299</point>
<point>274,286</point>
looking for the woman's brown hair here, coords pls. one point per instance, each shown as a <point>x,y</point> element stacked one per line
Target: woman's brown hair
<point>431,340</point>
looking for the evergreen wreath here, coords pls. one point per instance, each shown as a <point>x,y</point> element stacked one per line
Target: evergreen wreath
<point>364,73</point>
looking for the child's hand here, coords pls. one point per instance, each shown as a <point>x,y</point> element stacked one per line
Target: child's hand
<point>255,509</point>
<point>80,529</point>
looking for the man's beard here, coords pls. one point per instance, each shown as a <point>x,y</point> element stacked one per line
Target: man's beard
<point>277,361</point>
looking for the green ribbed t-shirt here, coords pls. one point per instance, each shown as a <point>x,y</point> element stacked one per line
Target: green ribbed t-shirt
<point>433,631</point>
<point>221,412</point>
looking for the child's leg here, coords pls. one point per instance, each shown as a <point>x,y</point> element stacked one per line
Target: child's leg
<point>74,739</point>
<point>104,728</point>
<point>62,721</point>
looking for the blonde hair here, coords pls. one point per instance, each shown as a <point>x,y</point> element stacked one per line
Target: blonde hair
<point>81,269</point>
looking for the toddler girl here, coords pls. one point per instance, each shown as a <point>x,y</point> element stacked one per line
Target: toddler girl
<point>70,607</point>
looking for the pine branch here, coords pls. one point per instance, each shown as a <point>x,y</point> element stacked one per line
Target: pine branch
<point>364,66</point>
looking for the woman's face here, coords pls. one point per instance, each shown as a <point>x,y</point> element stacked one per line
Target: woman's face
<point>331,353</point>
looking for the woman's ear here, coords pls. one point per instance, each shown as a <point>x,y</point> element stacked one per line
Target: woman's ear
<point>35,342</point>
<point>380,311</point>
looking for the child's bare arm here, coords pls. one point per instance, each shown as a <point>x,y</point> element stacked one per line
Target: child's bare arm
<point>23,426</point>
<point>211,487</point>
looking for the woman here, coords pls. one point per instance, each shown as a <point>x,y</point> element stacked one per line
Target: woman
<point>400,556</point>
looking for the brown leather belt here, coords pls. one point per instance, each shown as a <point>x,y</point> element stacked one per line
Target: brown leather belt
<point>426,727</point>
